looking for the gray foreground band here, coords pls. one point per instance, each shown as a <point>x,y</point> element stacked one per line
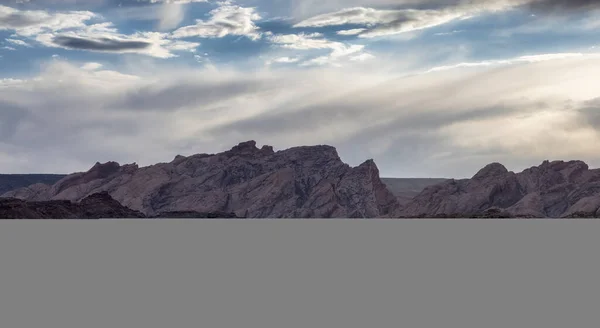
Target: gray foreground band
<point>300,274</point>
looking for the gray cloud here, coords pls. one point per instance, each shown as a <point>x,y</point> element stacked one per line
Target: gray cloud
<point>590,113</point>
<point>444,123</point>
<point>99,44</point>
<point>17,20</point>
<point>188,94</point>
<point>417,15</point>
<point>562,5</point>
<point>30,22</point>
<point>381,22</point>
<point>11,116</point>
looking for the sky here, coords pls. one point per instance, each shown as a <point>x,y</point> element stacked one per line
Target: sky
<point>426,88</point>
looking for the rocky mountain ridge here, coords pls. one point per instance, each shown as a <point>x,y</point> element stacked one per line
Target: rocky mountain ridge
<point>300,182</point>
<point>313,182</point>
<point>553,189</point>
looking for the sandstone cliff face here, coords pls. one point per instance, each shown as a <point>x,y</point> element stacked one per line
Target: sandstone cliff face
<point>300,182</point>
<point>553,189</point>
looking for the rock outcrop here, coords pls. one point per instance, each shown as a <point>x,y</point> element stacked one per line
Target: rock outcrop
<point>406,189</point>
<point>95,206</point>
<point>10,182</point>
<point>194,215</point>
<point>300,182</point>
<point>553,189</point>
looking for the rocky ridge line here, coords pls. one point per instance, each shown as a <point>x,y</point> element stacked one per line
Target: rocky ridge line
<point>300,182</point>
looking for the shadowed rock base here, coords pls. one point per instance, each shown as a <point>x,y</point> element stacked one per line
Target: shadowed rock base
<point>96,206</point>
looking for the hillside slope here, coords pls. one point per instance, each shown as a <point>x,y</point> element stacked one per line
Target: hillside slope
<point>10,182</point>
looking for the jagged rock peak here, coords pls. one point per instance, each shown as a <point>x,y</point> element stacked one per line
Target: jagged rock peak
<point>561,165</point>
<point>249,147</point>
<point>130,167</point>
<point>493,169</point>
<point>104,169</point>
<point>315,151</point>
<point>370,163</point>
<point>244,146</point>
<point>267,149</point>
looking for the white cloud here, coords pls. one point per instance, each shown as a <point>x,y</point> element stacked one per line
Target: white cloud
<point>69,30</point>
<point>171,15</point>
<point>353,31</point>
<point>515,113</point>
<point>32,22</point>
<point>382,22</point>
<point>449,33</point>
<point>172,12</point>
<point>315,41</point>
<point>18,42</point>
<point>362,57</point>
<point>283,60</point>
<point>91,66</point>
<point>521,59</point>
<point>225,20</point>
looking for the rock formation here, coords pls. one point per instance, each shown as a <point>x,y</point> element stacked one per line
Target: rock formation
<point>10,182</point>
<point>96,206</point>
<point>406,189</point>
<point>194,215</point>
<point>312,182</point>
<point>553,189</point>
<point>300,182</point>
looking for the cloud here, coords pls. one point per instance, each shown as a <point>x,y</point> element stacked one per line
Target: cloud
<point>562,5</point>
<point>70,30</point>
<point>445,123</point>
<point>32,22</point>
<point>362,57</point>
<point>225,20</point>
<point>353,31</point>
<point>309,8</point>
<point>315,41</point>
<point>386,22</point>
<point>283,60</point>
<point>383,22</point>
<point>521,59</point>
<point>171,15</point>
<point>18,42</point>
<point>171,12</point>
<point>448,33</point>
<point>99,44</point>
<point>105,38</point>
<point>91,66</point>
